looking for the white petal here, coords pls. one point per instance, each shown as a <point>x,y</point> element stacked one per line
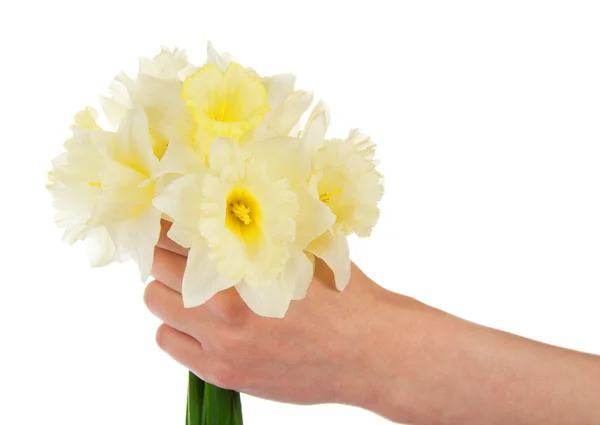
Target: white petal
<point>316,127</point>
<point>278,87</point>
<point>180,199</point>
<point>334,251</point>
<point>314,218</point>
<point>223,152</point>
<point>135,143</point>
<point>116,106</point>
<point>180,158</point>
<point>271,299</point>
<point>283,119</point>
<point>304,272</point>
<point>212,56</point>
<point>121,194</point>
<point>200,279</point>
<point>285,157</point>
<point>136,239</point>
<point>183,235</point>
<point>100,247</point>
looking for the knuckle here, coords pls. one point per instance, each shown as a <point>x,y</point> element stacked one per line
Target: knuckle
<point>232,311</point>
<point>149,294</point>
<point>224,345</point>
<point>224,375</point>
<point>162,337</point>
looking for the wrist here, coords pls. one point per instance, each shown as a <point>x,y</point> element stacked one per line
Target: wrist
<point>392,335</point>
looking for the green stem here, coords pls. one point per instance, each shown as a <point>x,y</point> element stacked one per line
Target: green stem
<point>210,405</point>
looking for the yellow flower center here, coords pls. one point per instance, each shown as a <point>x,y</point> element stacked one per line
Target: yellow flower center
<point>326,197</point>
<point>242,212</point>
<point>243,215</point>
<point>226,104</point>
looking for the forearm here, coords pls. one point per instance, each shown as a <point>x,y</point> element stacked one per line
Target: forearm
<point>443,370</point>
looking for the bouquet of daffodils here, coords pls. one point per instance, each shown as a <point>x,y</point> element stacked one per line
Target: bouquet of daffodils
<point>218,151</point>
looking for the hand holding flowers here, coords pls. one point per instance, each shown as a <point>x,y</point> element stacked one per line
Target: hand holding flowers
<point>216,151</point>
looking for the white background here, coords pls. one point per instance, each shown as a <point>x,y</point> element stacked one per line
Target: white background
<point>487,116</point>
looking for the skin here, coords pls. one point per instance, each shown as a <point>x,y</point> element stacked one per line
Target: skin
<point>372,348</point>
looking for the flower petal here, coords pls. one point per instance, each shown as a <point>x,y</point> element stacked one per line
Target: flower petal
<point>121,197</point>
<point>314,218</point>
<point>278,87</point>
<point>223,153</point>
<point>167,65</point>
<point>136,239</point>
<point>333,250</point>
<point>116,106</point>
<point>135,144</point>
<point>304,272</point>
<point>283,119</point>
<point>212,56</point>
<point>271,299</point>
<point>100,247</point>
<point>285,157</point>
<point>201,280</point>
<point>180,200</point>
<point>316,127</point>
<point>180,158</point>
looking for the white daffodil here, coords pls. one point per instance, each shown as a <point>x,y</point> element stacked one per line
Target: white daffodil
<point>157,90</point>
<point>346,180</point>
<point>247,220</point>
<point>228,100</point>
<point>73,184</point>
<point>103,188</point>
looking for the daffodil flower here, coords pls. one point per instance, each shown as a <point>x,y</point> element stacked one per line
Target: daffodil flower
<point>346,180</point>
<point>248,220</point>
<point>157,91</point>
<point>103,188</point>
<point>228,100</point>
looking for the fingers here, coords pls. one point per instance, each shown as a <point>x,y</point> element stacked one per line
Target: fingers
<point>168,268</point>
<point>165,242</point>
<point>166,305</point>
<point>188,352</point>
<point>181,347</point>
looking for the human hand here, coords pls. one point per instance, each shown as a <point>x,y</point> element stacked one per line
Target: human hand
<point>318,353</point>
<point>374,349</point>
